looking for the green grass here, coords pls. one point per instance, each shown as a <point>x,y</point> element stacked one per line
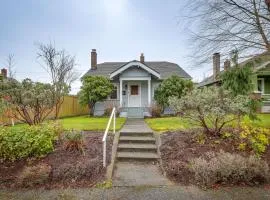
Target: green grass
<point>90,123</point>
<point>168,123</point>
<point>178,123</point>
<point>86,123</point>
<point>264,121</point>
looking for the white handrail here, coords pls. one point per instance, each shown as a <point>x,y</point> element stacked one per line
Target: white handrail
<point>106,134</point>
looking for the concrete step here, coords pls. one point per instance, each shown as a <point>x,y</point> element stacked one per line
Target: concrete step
<point>129,147</point>
<point>135,112</point>
<point>137,139</point>
<point>136,133</point>
<point>137,156</point>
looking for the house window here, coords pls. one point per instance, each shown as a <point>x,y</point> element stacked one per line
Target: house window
<point>114,93</point>
<point>261,85</point>
<point>134,90</point>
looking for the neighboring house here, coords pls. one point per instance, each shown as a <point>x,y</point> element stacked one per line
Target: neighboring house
<point>261,77</point>
<point>135,83</point>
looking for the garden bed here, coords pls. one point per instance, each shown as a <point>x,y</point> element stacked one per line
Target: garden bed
<point>60,168</point>
<point>178,148</point>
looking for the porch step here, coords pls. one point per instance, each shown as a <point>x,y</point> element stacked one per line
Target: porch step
<point>137,156</point>
<point>136,112</point>
<point>127,147</point>
<point>137,139</point>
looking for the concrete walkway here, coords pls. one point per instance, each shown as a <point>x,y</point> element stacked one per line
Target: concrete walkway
<point>137,193</point>
<point>137,158</point>
<point>136,125</point>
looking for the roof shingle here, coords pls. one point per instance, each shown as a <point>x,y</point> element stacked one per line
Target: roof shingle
<point>165,69</point>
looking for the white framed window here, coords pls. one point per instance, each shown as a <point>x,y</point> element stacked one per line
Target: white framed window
<point>260,83</point>
<point>114,94</point>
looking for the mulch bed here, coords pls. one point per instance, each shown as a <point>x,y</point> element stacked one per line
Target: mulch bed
<point>178,148</point>
<point>10,171</point>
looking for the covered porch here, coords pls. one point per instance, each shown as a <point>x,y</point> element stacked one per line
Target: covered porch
<point>261,81</point>
<point>135,96</point>
<point>137,83</point>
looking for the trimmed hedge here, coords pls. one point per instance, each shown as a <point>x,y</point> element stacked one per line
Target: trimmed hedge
<point>28,141</point>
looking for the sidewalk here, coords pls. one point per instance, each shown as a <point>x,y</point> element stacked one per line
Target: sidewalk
<point>137,193</point>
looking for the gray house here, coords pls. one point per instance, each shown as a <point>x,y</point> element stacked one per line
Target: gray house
<point>135,83</point>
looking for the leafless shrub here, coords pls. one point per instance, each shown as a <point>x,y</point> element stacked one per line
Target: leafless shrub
<point>229,168</point>
<point>85,169</point>
<point>155,110</point>
<point>34,175</point>
<point>109,107</point>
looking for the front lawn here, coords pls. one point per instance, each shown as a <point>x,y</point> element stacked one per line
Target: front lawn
<point>90,123</point>
<point>86,123</point>
<point>177,123</point>
<point>168,123</point>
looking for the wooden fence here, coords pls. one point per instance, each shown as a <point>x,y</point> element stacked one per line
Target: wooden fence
<point>70,107</point>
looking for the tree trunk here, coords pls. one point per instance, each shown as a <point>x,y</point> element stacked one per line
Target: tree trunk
<point>91,106</point>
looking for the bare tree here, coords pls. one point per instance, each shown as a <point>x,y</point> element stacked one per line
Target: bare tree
<point>10,62</point>
<point>225,25</point>
<point>61,68</point>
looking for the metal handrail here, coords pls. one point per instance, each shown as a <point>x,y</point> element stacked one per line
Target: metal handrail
<point>104,139</point>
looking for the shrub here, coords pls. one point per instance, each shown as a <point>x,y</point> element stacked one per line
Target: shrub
<point>94,89</point>
<point>155,110</point>
<point>173,86</point>
<point>229,168</point>
<point>211,108</point>
<point>34,175</point>
<point>74,141</point>
<point>30,102</point>
<point>77,171</point>
<point>254,138</point>
<point>108,109</point>
<point>27,141</point>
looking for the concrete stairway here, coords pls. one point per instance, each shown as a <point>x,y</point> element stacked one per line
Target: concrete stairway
<point>137,156</point>
<point>137,146</point>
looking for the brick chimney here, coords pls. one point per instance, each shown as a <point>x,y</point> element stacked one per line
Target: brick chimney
<point>227,65</point>
<point>93,59</point>
<point>142,58</point>
<point>4,72</point>
<point>216,65</point>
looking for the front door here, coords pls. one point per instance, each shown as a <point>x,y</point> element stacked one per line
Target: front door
<point>134,99</point>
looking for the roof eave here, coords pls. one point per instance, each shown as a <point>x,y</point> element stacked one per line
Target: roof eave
<point>134,63</point>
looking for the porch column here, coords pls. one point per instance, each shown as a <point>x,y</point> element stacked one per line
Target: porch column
<point>120,92</point>
<point>149,93</point>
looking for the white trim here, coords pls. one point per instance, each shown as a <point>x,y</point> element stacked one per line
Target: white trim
<point>262,79</point>
<point>261,66</point>
<point>121,93</point>
<point>117,90</point>
<point>128,92</point>
<point>134,63</point>
<point>135,78</point>
<point>149,93</point>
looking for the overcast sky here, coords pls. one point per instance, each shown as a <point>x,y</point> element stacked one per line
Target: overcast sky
<point>119,29</point>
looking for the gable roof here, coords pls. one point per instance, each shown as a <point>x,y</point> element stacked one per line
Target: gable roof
<point>259,62</point>
<point>134,63</point>
<point>163,68</point>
